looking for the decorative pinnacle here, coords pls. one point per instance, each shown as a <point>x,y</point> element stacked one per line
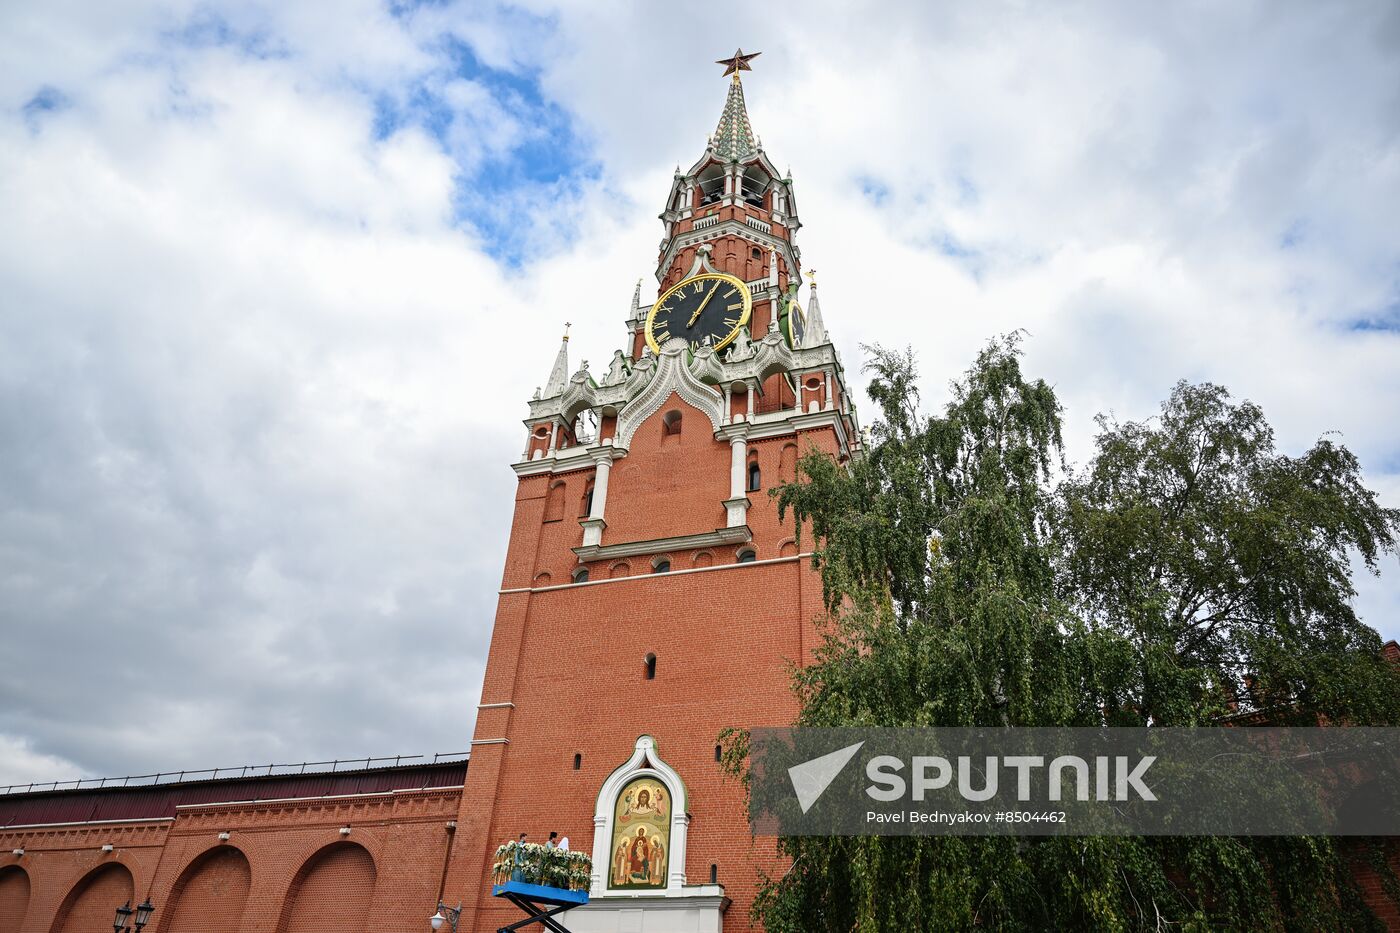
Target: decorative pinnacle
<point>559,375</point>
<point>740,62</point>
<point>814,334</point>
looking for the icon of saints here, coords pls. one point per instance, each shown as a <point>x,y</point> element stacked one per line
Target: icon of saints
<point>658,855</point>
<point>620,862</point>
<point>639,858</point>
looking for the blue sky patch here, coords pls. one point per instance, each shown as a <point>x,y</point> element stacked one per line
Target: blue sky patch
<point>1387,321</point>
<point>875,191</point>
<point>207,29</point>
<point>46,100</point>
<point>498,188</point>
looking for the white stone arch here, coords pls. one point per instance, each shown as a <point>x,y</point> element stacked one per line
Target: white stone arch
<point>645,762</point>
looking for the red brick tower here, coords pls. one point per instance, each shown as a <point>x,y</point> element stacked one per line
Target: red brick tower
<point>651,597</point>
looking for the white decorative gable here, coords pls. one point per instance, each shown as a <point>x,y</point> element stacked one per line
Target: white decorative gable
<point>671,375</point>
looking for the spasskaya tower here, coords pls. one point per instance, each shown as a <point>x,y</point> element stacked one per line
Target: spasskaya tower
<point>651,597</point>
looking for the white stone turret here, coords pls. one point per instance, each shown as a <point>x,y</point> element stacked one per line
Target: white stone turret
<point>617,372</point>
<point>815,333</point>
<point>559,375</point>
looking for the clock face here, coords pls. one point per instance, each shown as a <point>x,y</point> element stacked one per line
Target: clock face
<point>796,324</point>
<point>711,305</point>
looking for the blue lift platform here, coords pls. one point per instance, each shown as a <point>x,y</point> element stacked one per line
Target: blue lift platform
<point>540,903</point>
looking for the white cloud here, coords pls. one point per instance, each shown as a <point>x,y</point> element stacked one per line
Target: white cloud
<point>259,382</point>
<point>23,765</point>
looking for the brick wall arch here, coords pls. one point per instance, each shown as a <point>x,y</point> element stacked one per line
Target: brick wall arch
<point>94,899</point>
<point>14,898</point>
<point>211,892</point>
<point>554,502</point>
<point>787,463</point>
<point>332,891</point>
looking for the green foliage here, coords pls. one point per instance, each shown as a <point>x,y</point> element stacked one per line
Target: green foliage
<point>1229,565</point>
<point>1188,572</point>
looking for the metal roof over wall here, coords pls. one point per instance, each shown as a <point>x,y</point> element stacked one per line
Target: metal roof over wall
<point>152,801</point>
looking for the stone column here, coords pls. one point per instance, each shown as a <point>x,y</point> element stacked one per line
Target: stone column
<point>736,507</point>
<point>600,487</point>
<point>594,524</point>
<point>738,450</point>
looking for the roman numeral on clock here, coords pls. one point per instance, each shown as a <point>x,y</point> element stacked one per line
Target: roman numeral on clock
<point>731,321</point>
<point>735,306</point>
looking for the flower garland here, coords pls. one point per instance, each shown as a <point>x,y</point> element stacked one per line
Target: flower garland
<point>545,865</point>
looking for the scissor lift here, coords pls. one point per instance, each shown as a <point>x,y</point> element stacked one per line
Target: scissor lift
<point>541,904</point>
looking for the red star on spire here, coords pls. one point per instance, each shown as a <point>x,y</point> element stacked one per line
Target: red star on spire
<point>740,62</point>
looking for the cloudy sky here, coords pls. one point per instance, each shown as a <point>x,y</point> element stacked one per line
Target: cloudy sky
<point>277,278</point>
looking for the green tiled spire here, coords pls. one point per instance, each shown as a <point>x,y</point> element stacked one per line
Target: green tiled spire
<point>733,137</point>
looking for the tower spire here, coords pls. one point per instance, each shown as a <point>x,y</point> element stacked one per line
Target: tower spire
<point>559,375</point>
<point>815,334</point>
<point>733,137</point>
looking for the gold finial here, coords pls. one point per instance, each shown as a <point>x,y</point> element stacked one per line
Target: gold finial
<point>740,62</point>
<point>567,325</point>
<point>812,277</point>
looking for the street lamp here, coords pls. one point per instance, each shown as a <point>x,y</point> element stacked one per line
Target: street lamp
<point>142,911</point>
<point>453,915</point>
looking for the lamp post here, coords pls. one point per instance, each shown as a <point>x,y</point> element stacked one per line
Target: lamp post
<point>142,911</point>
<point>453,914</point>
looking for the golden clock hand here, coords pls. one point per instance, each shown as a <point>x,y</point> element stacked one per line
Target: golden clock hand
<point>696,316</point>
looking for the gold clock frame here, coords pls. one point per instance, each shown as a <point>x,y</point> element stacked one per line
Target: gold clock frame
<point>700,277</point>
